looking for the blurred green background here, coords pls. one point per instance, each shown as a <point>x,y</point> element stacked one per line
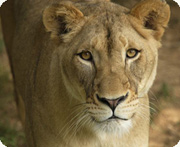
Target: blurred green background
<point>164,96</point>
<point>11,133</point>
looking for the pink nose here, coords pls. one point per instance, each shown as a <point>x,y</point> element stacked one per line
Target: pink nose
<point>112,103</point>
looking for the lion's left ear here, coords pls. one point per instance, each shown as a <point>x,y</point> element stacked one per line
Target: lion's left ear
<point>153,14</point>
<point>61,19</point>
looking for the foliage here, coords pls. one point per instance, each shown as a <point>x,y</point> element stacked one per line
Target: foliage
<point>10,136</point>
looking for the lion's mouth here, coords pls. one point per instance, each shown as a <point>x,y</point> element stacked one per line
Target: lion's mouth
<point>110,119</point>
<point>113,117</point>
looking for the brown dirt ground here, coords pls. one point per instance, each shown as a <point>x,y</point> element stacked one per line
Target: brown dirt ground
<point>165,94</point>
<point>165,128</point>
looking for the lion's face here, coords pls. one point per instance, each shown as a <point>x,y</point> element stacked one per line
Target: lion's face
<point>108,63</point>
<point>112,65</point>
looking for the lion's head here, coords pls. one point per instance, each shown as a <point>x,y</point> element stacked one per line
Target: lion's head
<point>107,56</point>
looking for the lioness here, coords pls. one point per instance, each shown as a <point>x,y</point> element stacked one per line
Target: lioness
<point>82,70</point>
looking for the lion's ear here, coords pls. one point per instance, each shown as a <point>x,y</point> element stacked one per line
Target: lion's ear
<point>61,19</point>
<point>153,14</point>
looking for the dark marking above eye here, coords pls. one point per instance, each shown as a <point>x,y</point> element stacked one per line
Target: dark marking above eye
<point>108,33</point>
<point>109,43</point>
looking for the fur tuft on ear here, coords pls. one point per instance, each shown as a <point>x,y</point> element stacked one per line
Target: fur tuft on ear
<point>61,19</point>
<point>153,14</point>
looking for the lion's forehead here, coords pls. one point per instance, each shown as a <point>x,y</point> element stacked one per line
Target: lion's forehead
<point>111,32</point>
<point>97,9</point>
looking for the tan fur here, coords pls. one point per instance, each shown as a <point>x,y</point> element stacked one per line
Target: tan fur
<point>59,90</point>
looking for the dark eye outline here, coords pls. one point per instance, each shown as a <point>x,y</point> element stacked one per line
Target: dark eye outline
<point>136,50</point>
<point>84,51</point>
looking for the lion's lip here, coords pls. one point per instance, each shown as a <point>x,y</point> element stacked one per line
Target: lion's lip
<point>115,117</point>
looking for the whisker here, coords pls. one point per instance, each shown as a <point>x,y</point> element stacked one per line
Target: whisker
<point>145,109</point>
<point>78,123</point>
<point>84,103</point>
<point>69,122</point>
<point>140,97</point>
<point>72,124</point>
<point>155,97</point>
<point>70,117</point>
<point>153,104</point>
<point>142,115</point>
<point>147,106</point>
<point>83,123</point>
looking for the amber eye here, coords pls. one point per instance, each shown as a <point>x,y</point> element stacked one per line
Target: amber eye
<point>131,53</point>
<point>85,55</point>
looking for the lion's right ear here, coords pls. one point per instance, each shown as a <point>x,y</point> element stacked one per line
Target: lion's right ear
<point>61,19</point>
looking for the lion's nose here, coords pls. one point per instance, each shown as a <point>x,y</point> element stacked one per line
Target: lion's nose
<point>112,103</point>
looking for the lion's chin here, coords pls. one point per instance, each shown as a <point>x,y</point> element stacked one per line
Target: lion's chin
<point>115,127</point>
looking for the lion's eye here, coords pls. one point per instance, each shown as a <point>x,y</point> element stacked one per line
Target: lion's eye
<point>131,53</point>
<point>85,55</point>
